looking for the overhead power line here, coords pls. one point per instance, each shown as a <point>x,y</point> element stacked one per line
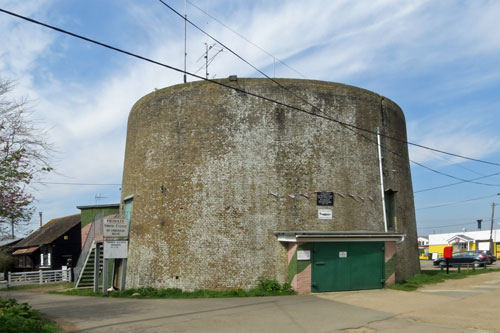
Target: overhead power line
<point>243,91</point>
<point>455,225</point>
<point>338,121</point>
<point>457,202</point>
<point>84,184</point>
<point>246,39</point>
<point>461,182</point>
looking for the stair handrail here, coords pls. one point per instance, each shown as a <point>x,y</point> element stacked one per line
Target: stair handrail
<point>94,232</point>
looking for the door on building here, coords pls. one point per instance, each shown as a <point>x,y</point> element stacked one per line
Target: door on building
<point>340,266</point>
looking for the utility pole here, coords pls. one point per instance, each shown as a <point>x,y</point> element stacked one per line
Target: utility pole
<point>491,229</point>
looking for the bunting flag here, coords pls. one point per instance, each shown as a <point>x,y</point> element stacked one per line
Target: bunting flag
<point>306,195</point>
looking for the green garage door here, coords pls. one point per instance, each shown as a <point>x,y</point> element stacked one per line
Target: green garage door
<point>347,266</point>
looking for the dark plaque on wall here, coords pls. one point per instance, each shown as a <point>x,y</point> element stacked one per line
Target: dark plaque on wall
<point>324,198</point>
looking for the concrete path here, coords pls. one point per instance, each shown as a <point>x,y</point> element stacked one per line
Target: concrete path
<point>468,305</point>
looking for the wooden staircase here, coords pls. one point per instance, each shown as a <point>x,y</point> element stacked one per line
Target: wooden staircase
<point>86,278</point>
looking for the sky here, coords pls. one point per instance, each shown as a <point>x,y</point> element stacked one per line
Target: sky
<point>437,60</point>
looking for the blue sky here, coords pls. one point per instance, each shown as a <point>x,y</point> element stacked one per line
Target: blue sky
<point>437,60</point>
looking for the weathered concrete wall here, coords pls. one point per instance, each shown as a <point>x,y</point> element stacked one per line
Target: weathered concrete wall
<point>201,160</point>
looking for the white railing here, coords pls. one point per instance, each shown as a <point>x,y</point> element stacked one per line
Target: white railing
<point>39,277</point>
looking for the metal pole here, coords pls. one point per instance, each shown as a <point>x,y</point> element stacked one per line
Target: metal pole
<point>206,60</point>
<point>491,229</point>
<point>105,276</point>
<point>96,267</point>
<point>381,179</point>
<point>185,40</point>
<point>40,213</point>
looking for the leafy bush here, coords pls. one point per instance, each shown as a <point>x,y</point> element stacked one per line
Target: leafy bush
<point>21,318</point>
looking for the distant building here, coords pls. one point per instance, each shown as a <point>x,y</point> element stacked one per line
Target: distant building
<point>57,243</point>
<point>423,247</point>
<point>463,241</point>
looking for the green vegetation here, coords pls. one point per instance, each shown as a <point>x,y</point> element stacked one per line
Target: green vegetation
<point>61,285</point>
<point>265,288</point>
<point>21,318</point>
<point>431,277</point>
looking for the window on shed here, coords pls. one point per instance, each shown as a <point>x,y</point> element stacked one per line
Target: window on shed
<point>45,259</point>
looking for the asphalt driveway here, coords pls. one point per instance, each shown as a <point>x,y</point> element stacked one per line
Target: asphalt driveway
<point>465,305</point>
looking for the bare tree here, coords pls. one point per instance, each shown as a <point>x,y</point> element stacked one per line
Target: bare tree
<point>24,154</point>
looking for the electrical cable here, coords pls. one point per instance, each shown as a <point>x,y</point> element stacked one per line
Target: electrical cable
<point>313,106</point>
<point>246,39</point>
<point>461,182</point>
<point>85,184</point>
<point>239,89</point>
<point>332,119</point>
<point>456,202</point>
<point>456,225</point>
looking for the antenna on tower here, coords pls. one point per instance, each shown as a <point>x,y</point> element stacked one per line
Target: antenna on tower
<point>99,197</point>
<point>208,60</point>
<point>185,40</point>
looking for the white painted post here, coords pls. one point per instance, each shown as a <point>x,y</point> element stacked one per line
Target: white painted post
<point>40,275</point>
<point>8,279</point>
<point>105,276</point>
<point>381,178</point>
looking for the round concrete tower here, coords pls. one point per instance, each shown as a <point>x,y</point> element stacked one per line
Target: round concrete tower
<point>225,188</point>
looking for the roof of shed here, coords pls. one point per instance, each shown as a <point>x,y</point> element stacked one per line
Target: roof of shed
<point>50,231</point>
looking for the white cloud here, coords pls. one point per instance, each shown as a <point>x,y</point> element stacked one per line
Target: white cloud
<point>322,39</point>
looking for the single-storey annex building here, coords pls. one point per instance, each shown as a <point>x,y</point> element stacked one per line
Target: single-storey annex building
<point>57,243</point>
<point>224,188</point>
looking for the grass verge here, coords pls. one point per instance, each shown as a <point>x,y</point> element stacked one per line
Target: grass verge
<point>265,288</point>
<point>62,285</point>
<point>431,277</point>
<point>21,318</point>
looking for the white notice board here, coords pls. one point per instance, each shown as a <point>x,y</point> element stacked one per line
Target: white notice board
<point>115,249</point>
<point>303,255</point>
<point>325,214</point>
<point>115,228</point>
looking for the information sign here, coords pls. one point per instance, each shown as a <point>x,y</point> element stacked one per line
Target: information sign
<point>325,214</point>
<point>303,255</point>
<point>116,228</point>
<point>115,249</point>
<point>324,198</point>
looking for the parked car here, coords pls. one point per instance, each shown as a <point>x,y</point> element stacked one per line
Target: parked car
<point>490,258</point>
<point>475,258</point>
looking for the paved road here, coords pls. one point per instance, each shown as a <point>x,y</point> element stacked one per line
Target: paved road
<point>468,305</point>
